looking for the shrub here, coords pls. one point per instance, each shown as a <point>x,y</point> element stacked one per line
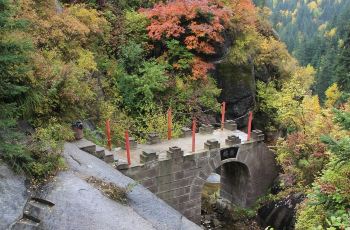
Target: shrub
<point>42,158</point>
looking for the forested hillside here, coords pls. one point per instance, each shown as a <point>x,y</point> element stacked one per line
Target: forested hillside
<point>316,33</point>
<point>127,61</point>
<point>314,154</point>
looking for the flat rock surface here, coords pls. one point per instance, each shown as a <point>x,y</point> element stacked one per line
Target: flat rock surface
<point>78,205</point>
<point>13,196</point>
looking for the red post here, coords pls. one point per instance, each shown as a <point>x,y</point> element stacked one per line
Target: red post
<point>194,135</point>
<point>250,125</point>
<point>127,146</point>
<point>223,110</point>
<point>169,123</point>
<point>108,133</point>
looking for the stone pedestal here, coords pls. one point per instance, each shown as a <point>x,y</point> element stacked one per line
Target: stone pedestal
<point>153,138</point>
<point>258,135</point>
<point>232,140</point>
<point>147,156</point>
<point>212,144</point>
<point>132,143</point>
<point>174,152</point>
<point>230,125</point>
<point>185,132</point>
<point>206,129</point>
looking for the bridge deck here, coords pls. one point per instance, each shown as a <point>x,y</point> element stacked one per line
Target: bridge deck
<point>184,143</point>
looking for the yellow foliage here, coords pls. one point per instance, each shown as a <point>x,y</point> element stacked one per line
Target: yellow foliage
<point>90,17</point>
<point>75,23</point>
<point>244,47</point>
<point>86,60</point>
<point>322,27</point>
<point>119,121</point>
<point>289,101</point>
<point>331,33</point>
<point>332,95</point>
<point>273,52</point>
<point>312,5</point>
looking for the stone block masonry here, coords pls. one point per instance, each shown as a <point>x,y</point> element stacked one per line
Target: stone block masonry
<point>177,175</point>
<point>178,178</point>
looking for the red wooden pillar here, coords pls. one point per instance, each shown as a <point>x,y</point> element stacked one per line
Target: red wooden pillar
<point>223,110</point>
<point>108,134</point>
<point>127,146</point>
<point>169,123</point>
<point>194,135</point>
<point>250,125</point>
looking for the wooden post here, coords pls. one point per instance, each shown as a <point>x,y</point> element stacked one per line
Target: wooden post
<point>108,134</point>
<point>223,110</point>
<point>127,146</point>
<point>194,135</point>
<point>169,123</point>
<point>250,125</point>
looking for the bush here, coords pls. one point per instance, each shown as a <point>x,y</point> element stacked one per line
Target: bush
<point>46,148</point>
<point>328,201</point>
<point>42,158</point>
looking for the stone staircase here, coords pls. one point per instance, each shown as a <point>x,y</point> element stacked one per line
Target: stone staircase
<point>98,151</point>
<point>33,212</point>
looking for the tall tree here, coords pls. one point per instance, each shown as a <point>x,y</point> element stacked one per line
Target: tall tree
<point>13,70</point>
<point>343,67</point>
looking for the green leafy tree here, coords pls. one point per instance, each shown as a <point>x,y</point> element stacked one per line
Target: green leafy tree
<point>13,75</point>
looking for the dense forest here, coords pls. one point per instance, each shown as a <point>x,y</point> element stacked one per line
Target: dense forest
<point>316,33</point>
<point>130,61</point>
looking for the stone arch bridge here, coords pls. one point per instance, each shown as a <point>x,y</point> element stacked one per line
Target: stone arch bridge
<point>177,175</point>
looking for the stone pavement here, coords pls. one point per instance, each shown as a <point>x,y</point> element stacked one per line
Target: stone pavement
<point>185,143</point>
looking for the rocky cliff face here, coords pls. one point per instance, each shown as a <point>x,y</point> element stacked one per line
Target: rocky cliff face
<point>238,90</point>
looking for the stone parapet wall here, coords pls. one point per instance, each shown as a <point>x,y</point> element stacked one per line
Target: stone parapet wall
<point>247,170</point>
<point>178,179</point>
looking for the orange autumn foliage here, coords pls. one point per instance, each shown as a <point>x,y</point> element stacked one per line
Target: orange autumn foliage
<point>243,11</point>
<point>198,23</point>
<point>200,68</point>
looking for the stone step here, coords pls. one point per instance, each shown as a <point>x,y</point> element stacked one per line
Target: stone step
<point>41,202</point>
<point>86,146</point>
<point>100,152</point>
<point>122,165</point>
<point>108,156</point>
<point>97,151</point>
<point>26,223</point>
<point>35,207</point>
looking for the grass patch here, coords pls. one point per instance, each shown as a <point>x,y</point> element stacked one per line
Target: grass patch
<point>110,190</point>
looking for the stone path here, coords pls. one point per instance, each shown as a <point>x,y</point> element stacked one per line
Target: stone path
<point>184,143</point>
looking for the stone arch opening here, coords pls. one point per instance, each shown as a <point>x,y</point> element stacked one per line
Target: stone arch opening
<point>232,187</point>
<point>234,183</point>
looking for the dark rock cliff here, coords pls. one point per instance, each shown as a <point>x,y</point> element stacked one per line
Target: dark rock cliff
<point>238,89</point>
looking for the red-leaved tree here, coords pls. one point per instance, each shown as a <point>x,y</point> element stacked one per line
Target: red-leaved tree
<point>197,23</point>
